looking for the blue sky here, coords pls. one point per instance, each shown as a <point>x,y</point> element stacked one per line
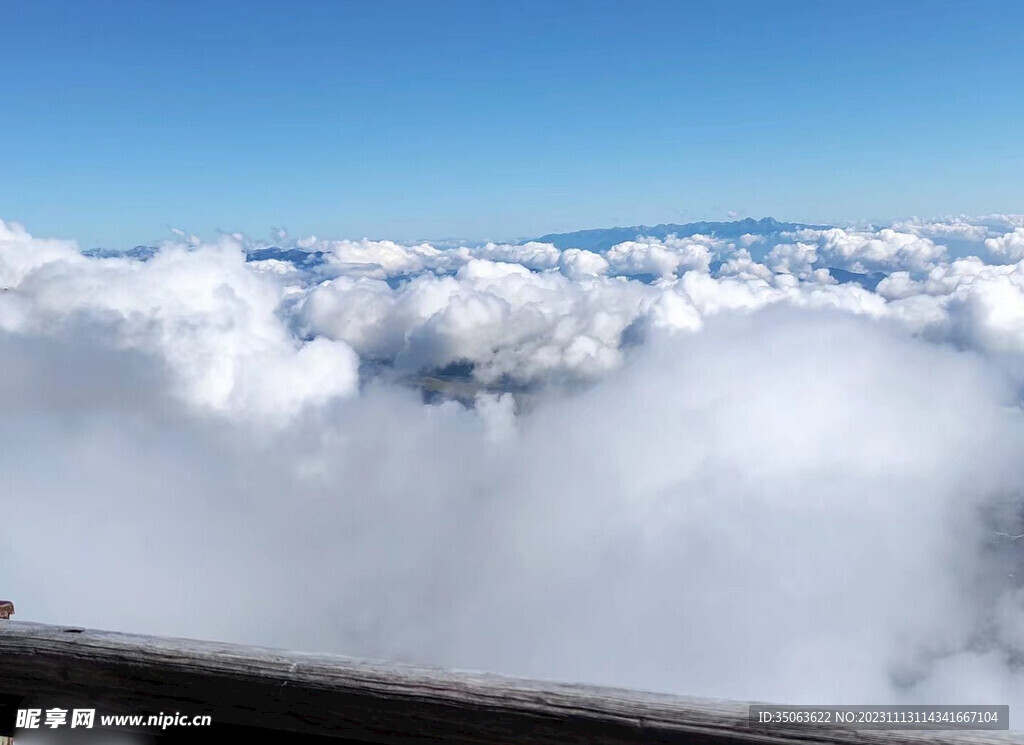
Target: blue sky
<point>501,120</point>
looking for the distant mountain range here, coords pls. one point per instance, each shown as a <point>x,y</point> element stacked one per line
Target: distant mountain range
<point>601,239</point>
<point>138,252</point>
<point>598,240</point>
<point>595,239</point>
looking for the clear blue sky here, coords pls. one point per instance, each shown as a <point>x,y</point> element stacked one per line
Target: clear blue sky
<point>501,119</point>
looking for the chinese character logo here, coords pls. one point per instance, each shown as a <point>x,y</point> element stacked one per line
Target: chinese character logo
<point>83,718</point>
<point>28,718</point>
<point>56,718</point>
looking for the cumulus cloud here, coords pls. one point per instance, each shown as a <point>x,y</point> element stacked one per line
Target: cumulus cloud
<point>718,467</point>
<point>577,263</point>
<point>661,258</point>
<point>867,251</point>
<point>201,310</point>
<point>1009,246</point>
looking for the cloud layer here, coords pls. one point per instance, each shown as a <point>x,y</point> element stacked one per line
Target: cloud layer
<point>780,467</point>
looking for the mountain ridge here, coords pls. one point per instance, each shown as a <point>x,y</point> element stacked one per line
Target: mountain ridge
<point>601,239</point>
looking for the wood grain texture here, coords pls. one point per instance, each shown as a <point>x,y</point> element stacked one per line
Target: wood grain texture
<point>374,702</point>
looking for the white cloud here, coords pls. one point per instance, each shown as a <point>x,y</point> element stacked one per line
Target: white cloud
<point>868,251</point>
<point>658,258</point>
<point>795,486</point>
<point>579,264</point>
<point>793,258</point>
<point>22,254</point>
<point>1008,247</point>
<point>202,311</point>
<point>532,255</point>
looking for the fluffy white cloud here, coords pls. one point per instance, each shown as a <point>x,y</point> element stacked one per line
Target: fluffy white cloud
<point>1009,246</point>
<point>205,313</point>
<point>577,263</point>
<point>383,258</point>
<point>793,258</point>
<point>799,485</point>
<point>532,255</point>
<point>658,258</point>
<point>868,251</point>
<point>957,227</point>
<point>21,253</point>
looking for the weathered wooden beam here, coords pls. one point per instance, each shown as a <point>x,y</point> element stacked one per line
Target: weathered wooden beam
<point>374,702</point>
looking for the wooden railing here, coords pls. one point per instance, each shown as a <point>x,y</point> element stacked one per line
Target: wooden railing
<point>318,696</point>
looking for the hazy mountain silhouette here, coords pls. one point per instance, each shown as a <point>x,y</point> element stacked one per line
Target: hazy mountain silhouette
<point>601,239</point>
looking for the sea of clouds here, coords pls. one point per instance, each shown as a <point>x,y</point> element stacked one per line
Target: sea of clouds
<point>785,466</point>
